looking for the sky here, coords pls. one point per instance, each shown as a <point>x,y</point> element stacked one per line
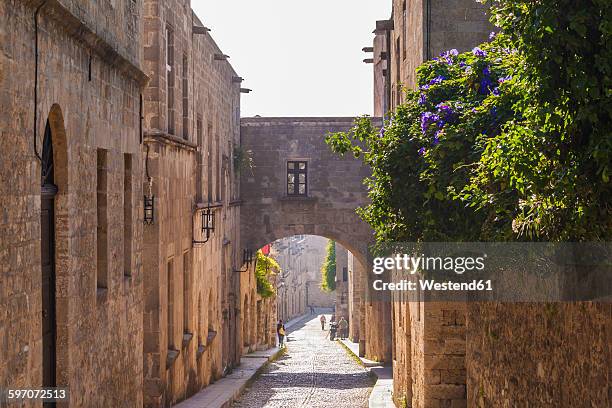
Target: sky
<point>300,57</point>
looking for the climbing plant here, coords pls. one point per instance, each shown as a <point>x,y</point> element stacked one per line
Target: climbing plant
<point>508,141</point>
<point>266,266</point>
<point>328,269</point>
<point>243,159</point>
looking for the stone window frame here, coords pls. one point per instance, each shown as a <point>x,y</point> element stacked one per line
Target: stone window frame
<point>296,171</point>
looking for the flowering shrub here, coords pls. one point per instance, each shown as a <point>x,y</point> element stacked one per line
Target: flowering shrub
<point>487,147</point>
<point>264,268</point>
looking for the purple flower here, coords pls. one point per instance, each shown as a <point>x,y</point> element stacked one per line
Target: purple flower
<point>473,110</point>
<point>504,79</point>
<point>446,114</point>
<point>448,56</point>
<point>462,64</point>
<point>422,99</point>
<point>427,118</point>
<point>437,80</point>
<point>422,151</point>
<point>485,82</point>
<point>453,52</point>
<point>382,132</point>
<point>436,139</point>
<point>424,87</point>
<point>496,91</point>
<point>492,35</point>
<point>485,86</point>
<point>479,53</point>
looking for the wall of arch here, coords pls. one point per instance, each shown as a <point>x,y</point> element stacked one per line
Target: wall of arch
<point>335,190</point>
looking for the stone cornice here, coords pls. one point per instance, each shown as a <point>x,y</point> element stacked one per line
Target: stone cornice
<point>158,136</point>
<point>82,32</point>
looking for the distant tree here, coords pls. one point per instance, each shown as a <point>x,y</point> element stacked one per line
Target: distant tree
<point>328,269</point>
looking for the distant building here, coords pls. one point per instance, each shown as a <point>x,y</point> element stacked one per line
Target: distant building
<point>299,285</point>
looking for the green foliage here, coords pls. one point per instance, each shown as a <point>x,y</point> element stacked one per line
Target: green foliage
<point>243,159</point>
<point>509,141</point>
<point>266,266</point>
<point>328,269</point>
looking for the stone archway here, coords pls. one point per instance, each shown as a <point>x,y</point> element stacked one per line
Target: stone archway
<point>289,152</point>
<point>334,190</point>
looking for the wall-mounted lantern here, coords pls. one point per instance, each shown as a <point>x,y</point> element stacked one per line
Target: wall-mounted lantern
<point>208,224</point>
<point>149,200</point>
<point>149,210</point>
<point>208,221</point>
<point>247,259</point>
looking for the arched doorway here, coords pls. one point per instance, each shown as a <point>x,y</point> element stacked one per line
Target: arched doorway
<point>47,221</point>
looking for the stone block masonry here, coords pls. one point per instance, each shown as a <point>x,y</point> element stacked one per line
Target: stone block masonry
<point>200,313</point>
<point>62,321</point>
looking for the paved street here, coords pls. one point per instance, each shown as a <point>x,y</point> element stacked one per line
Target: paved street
<point>313,373</point>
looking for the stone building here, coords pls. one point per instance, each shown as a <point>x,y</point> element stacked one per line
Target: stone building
<point>456,354</point>
<point>299,285</point>
<point>201,307</point>
<point>417,31</point>
<point>71,274</point>
<point>428,355</point>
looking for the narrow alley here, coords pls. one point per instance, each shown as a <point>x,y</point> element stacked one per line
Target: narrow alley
<point>314,372</point>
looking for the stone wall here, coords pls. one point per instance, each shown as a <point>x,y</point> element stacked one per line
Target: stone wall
<point>555,354</point>
<point>89,81</point>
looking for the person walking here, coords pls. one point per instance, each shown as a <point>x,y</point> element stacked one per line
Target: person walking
<point>343,328</point>
<point>280,331</point>
<point>322,319</point>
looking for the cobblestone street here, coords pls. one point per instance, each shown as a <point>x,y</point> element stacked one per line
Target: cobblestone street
<point>313,373</point>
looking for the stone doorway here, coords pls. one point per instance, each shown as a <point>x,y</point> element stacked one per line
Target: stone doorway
<point>47,220</point>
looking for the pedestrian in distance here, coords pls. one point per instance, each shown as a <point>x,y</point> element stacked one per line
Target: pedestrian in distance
<point>280,331</point>
<point>343,328</point>
<point>322,319</point>
<point>312,310</point>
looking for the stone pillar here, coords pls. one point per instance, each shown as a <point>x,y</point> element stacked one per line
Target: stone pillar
<point>354,298</point>
<point>342,286</point>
